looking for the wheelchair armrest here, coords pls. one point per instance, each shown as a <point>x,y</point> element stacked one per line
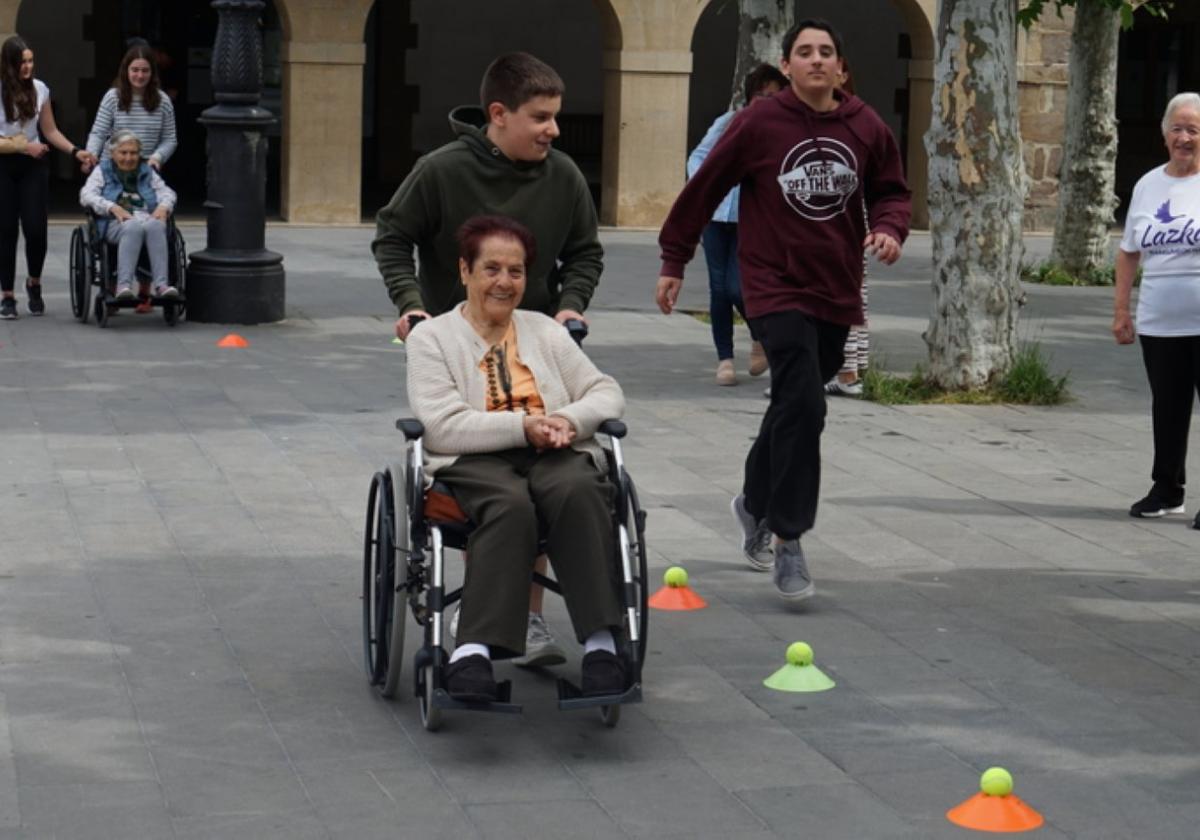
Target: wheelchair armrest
<point>412,427</point>
<point>613,428</point>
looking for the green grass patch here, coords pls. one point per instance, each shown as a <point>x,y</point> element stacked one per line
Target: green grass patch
<point>1029,382</point>
<point>1050,274</point>
<point>704,317</point>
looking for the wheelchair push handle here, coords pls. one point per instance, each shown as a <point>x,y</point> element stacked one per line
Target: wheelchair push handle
<point>577,329</point>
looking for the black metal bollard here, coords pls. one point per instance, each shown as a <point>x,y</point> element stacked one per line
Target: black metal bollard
<point>236,280</point>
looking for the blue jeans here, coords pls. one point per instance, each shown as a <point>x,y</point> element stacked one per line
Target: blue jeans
<point>724,283</point>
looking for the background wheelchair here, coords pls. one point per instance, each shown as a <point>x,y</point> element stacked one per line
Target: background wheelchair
<point>94,266</point>
<point>408,526</point>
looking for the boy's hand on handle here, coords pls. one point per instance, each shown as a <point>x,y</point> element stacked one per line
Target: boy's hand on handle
<point>667,293</point>
<point>407,321</point>
<point>885,248</point>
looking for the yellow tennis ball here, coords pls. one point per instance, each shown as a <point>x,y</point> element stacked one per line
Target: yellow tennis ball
<point>996,781</point>
<point>676,577</point>
<point>799,653</point>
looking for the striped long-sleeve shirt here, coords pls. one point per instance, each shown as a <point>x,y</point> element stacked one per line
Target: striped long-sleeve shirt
<point>156,129</point>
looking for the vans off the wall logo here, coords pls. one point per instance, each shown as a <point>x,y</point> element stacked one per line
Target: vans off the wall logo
<point>818,177</point>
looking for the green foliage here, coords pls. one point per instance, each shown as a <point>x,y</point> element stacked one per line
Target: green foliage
<point>1029,382</point>
<point>1032,10</point>
<point>1050,274</point>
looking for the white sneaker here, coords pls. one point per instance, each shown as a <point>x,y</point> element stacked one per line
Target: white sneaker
<point>541,651</point>
<point>837,388</point>
<point>163,290</point>
<point>454,620</point>
<point>124,291</point>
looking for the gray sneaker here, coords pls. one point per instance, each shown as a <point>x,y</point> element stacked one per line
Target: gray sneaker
<point>756,536</point>
<point>791,572</point>
<point>541,651</point>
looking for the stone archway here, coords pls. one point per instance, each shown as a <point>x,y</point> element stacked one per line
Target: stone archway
<point>919,17</point>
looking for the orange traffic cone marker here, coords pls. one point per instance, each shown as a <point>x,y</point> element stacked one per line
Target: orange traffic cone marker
<point>676,594</point>
<point>799,674</point>
<point>233,340</point>
<point>995,808</point>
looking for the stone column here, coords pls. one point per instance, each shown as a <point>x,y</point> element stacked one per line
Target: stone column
<point>1042,90</point>
<point>236,279</point>
<point>920,111</point>
<point>645,134</point>
<point>322,128</point>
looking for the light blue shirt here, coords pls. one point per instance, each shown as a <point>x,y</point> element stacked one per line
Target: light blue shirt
<point>727,210</point>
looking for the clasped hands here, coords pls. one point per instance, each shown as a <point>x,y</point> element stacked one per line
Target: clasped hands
<point>122,215</point>
<point>548,432</point>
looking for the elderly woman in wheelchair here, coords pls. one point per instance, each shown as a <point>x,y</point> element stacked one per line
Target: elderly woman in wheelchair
<point>132,203</point>
<point>510,405</point>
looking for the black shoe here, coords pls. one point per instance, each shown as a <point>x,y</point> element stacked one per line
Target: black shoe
<point>470,679</point>
<point>36,306</point>
<point>1154,506</point>
<point>603,673</point>
<point>8,309</point>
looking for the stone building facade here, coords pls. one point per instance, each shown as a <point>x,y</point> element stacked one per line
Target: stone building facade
<point>646,62</point>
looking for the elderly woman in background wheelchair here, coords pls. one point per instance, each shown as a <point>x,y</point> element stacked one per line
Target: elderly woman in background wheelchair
<point>133,204</point>
<point>510,405</point>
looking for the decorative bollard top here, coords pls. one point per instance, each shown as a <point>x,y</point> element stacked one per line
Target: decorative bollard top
<point>237,58</point>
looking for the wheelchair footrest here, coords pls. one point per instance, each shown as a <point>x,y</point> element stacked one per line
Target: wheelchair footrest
<point>571,698</point>
<point>443,700</point>
<point>135,301</point>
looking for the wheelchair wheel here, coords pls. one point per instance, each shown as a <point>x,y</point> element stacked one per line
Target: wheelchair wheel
<point>179,267</point>
<point>101,309</point>
<point>383,618</point>
<point>171,313</point>
<point>610,715</point>
<point>79,274</point>
<point>634,519</point>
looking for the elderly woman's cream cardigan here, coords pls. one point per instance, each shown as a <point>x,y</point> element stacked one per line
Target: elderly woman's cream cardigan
<point>447,391</point>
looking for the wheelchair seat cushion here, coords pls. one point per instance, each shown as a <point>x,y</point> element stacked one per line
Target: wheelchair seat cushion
<point>441,507</point>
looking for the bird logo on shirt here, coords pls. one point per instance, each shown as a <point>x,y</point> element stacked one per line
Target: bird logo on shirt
<point>1163,214</point>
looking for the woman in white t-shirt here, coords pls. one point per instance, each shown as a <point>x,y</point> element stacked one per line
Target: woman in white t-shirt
<point>1162,233</point>
<point>24,177</point>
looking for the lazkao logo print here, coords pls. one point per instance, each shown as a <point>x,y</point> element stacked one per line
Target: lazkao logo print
<point>817,178</point>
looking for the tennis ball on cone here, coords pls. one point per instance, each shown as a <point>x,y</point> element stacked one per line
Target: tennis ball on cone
<point>996,781</point>
<point>676,577</point>
<point>799,653</point>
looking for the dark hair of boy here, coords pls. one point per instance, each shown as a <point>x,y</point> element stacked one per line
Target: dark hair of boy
<point>789,37</point>
<point>759,78</point>
<point>515,78</point>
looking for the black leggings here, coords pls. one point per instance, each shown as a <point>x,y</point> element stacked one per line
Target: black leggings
<point>1173,368</point>
<point>24,187</point>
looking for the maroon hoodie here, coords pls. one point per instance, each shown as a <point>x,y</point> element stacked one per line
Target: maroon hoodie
<point>804,176</point>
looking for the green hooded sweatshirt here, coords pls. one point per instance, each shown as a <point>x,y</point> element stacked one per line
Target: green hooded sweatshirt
<point>470,177</point>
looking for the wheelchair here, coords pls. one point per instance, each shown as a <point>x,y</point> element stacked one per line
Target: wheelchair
<point>94,265</point>
<point>408,528</point>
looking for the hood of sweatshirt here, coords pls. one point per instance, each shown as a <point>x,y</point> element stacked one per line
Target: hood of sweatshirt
<point>469,124</point>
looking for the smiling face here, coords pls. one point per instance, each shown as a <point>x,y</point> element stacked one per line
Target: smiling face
<point>813,66</point>
<point>496,281</point>
<point>126,156</point>
<point>27,64</point>
<point>1183,140</point>
<point>527,133</point>
<point>139,74</point>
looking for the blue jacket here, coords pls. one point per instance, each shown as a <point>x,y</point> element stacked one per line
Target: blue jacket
<point>112,187</point>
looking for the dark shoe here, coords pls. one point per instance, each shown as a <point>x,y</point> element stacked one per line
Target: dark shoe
<point>470,679</point>
<point>792,578</point>
<point>756,536</point>
<point>1154,506</point>
<point>603,673</point>
<point>34,293</point>
<point>8,309</point>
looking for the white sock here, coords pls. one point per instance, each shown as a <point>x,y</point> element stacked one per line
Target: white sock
<point>600,640</point>
<point>470,649</point>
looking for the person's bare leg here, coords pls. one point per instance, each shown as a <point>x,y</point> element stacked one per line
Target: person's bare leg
<point>537,592</point>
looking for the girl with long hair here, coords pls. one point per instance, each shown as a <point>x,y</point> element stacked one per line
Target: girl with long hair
<point>136,103</point>
<point>24,175</point>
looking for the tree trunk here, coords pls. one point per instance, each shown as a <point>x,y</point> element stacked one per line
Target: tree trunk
<point>1086,193</point>
<point>761,25</point>
<point>976,193</point>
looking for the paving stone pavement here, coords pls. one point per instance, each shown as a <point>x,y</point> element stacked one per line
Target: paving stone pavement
<point>180,651</point>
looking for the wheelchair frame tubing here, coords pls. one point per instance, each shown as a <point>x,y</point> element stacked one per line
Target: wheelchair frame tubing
<point>623,538</point>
